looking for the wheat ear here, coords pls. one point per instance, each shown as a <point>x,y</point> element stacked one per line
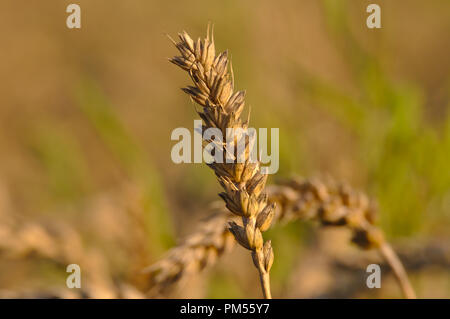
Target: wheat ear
<point>338,205</point>
<point>328,202</point>
<point>242,180</point>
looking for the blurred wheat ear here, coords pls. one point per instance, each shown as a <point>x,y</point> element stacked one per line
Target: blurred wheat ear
<point>242,181</point>
<point>328,202</point>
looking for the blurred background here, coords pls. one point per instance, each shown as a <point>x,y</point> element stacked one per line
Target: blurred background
<point>86,117</point>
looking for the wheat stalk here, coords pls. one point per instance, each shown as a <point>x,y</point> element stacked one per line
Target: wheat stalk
<point>242,181</point>
<point>330,203</point>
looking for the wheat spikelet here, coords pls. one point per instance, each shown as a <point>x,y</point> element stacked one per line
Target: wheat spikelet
<point>242,179</point>
<point>330,203</point>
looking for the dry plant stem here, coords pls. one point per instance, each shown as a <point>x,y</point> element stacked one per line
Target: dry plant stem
<point>238,173</point>
<point>397,267</point>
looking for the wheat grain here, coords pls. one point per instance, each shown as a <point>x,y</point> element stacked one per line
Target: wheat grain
<point>242,180</point>
<point>330,203</point>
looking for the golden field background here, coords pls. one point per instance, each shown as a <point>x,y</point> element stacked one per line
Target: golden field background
<point>86,117</point>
